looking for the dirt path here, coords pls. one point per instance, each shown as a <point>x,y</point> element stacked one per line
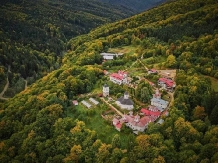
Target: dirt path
<point>25,84</point>
<point>112,107</point>
<point>4,90</point>
<point>143,64</point>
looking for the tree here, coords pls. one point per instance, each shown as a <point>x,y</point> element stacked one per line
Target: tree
<point>171,61</point>
<point>74,155</point>
<point>116,141</point>
<point>214,115</point>
<point>199,113</point>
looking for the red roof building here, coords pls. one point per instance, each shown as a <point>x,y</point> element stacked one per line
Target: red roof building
<point>119,78</point>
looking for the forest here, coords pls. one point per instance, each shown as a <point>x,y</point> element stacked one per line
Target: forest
<point>34,35</point>
<point>40,124</point>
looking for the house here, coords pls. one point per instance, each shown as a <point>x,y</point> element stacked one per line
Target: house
<point>110,56</point>
<point>136,123</point>
<point>159,103</point>
<point>152,71</point>
<point>150,113</point>
<point>166,83</point>
<point>125,102</point>
<point>105,90</point>
<point>119,78</point>
<point>88,105</point>
<point>75,102</point>
<point>157,94</point>
<point>93,101</point>
<point>117,124</point>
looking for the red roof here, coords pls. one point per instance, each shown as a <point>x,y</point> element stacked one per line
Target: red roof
<point>168,82</point>
<point>153,70</point>
<point>119,125</point>
<point>117,76</point>
<point>75,102</point>
<point>148,112</point>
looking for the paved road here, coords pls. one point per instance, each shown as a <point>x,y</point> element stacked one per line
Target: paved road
<point>112,107</point>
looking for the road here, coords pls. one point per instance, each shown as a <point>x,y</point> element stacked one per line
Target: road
<point>4,90</point>
<point>112,107</point>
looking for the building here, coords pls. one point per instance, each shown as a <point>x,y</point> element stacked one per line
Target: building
<point>117,124</point>
<point>110,56</point>
<point>105,90</point>
<point>152,71</point>
<point>119,78</point>
<point>75,102</point>
<point>136,123</point>
<point>125,102</point>
<point>159,103</point>
<point>157,94</point>
<point>166,83</point>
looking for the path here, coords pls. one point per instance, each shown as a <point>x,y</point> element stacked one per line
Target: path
<point>4,90</point>
<point>172,99</point>
<point>143,64</point>
<point>25,84</point>
<point>112,107</point>
<point>6,86</point>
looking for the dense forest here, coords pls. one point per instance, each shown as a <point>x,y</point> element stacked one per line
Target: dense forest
<point>136,5</point>
<point>34,35</point>
<point>40,125</point>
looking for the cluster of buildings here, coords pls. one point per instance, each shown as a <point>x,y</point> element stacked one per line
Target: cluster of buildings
<point>139,122</point>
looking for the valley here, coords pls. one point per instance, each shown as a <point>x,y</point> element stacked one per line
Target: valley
<point>139,89</point>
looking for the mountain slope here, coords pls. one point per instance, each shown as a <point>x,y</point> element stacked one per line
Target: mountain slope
<point>34,34</point>
<point>136,5</point>
<point>40,125</point>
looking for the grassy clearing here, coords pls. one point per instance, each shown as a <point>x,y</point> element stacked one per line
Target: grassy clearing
<point>124,49</point>
<point>214,83</point>
<point>93,120</point>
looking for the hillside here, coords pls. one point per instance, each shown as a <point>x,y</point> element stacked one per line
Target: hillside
<point>34,34</point>
<point>40,124</point>
<point>136,5</point>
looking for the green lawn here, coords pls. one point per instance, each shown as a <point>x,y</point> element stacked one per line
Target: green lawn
<point>124,49</point>
<point>93,120</point>
<point>214,84</point>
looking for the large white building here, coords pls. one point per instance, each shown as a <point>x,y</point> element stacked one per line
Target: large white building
<point>159,103</point>
<point>110,56</point>
<point>125,102</point>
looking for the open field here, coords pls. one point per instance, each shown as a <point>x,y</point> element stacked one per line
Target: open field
<point>124,49</point>
<point>93,120</point>
<point>214,83</point>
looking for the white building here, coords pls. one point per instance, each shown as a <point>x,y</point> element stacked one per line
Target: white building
<point>110,56</point>
<point>119,78</point>
<point>105,90</point>
<point>159,103</point>
<point>124,102</point>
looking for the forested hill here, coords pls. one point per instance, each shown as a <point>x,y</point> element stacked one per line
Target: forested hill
<point>34,34</point>
<point>41,125</point>
<point>136,5</point>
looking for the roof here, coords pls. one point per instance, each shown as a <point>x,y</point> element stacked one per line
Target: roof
<point>119,125</point>
<point>111,54</point>
<point>117,76</point>
<point>148,112</point>
<point>160,101</point>
<point>105,85</point>
<point>168,82</point>
<point>125,101</point>
<point>75,102</point>
<point>153,70</point>
<point>108,57</point>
